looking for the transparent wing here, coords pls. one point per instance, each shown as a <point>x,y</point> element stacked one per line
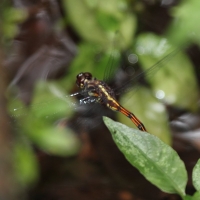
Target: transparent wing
<point>133,81</point>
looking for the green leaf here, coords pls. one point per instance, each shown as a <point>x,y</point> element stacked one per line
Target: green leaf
<point>10,18</point>
<point>196,196</point>
<point>174,77</point>
<point>37,122</point>
<point>83,19</point>
<point>50,138</point>
<point>196,176</point>
<point>98,21</point>
<point>26,166</point>
<point>95,60</point>
<point>187,197</point>
<point>184,27</point>
<point>149,110</point>
<point>158,162</point>
<point>49,103</point>
<point>127,29</point>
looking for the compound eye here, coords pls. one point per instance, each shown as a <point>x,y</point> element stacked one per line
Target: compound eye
<point>88,75</point>
<point>82,77</point>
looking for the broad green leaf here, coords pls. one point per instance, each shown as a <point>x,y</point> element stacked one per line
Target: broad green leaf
<point>196,176</point>
<point>149,110</point>
<point>158,162</point>
<point>174,76</point>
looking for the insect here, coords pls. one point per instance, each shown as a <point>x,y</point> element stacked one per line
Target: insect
<point>98,91</point>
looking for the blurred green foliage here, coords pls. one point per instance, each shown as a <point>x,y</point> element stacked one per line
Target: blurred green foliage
<point>106,28</point>
<point>183,29</point>
<point>9,18</point>
<point>98,21</point>
<point>173,74</point>
<point>26,164</point>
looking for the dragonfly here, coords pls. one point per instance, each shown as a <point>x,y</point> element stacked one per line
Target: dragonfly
<point>98,91</point>
<point>93,90</point>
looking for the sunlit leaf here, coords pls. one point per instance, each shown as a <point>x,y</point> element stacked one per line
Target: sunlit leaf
<point>174,75</point>
<point>158,162</point>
